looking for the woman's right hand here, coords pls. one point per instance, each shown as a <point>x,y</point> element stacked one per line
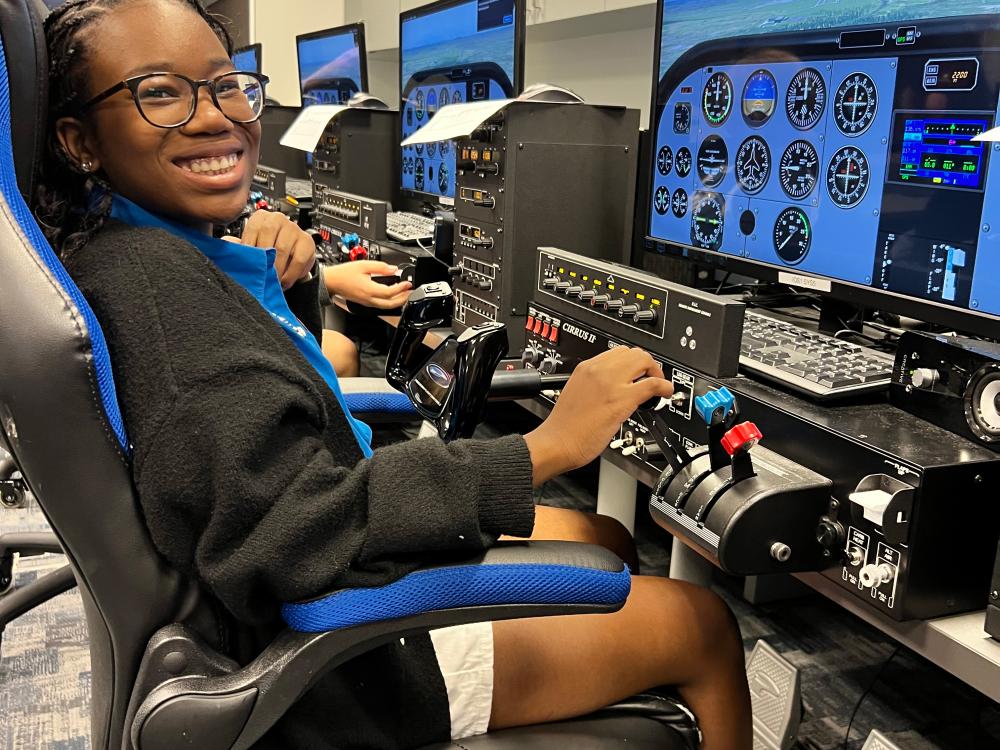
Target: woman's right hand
<point>602,393</point>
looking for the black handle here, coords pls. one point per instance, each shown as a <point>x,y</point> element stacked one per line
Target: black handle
<point>508,385</point>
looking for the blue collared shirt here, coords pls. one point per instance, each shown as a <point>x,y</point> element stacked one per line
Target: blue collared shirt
<point>253,269</point>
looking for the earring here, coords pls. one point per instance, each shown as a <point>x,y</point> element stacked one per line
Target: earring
<point>87,165</point>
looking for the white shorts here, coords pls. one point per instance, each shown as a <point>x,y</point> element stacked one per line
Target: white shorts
<point>465,656</point>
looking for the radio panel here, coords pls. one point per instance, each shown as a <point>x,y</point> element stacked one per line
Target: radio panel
<point>671,320</point>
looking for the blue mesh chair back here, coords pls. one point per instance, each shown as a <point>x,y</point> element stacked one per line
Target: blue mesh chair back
<point>58,413</point>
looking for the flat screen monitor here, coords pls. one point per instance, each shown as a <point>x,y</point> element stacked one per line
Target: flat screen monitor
<point>453,51</point>
<point>333,65</point>
<point>830,145</point>
<point>248,58</point>
<point>274,123</point>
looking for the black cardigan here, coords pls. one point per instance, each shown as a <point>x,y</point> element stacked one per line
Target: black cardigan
<point>252,482</point>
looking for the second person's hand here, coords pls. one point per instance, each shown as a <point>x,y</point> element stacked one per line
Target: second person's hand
<point>354,282</point>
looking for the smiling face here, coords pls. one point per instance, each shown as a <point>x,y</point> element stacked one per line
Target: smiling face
<point>198,174</point>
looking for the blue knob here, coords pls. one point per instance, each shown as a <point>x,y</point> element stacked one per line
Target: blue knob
<point>350,241</point>
<point>715,404</point>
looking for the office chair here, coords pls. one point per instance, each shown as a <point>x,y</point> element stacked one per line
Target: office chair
<point>156,680</point>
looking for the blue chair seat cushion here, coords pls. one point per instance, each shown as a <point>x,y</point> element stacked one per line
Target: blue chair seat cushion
<point>379,403</point>
<point>460,586</point>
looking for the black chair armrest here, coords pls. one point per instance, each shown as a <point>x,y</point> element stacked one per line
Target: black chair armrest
<point>186,691</point>
<point>29,543</point>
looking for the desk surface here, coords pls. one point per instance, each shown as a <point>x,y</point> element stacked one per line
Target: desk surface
<point>958,644</point>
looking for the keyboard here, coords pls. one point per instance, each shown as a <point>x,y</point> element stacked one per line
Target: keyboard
<point>818,366</point>
<point>406,227</point>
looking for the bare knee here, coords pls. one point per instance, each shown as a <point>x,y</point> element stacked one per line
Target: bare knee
<point>611,534</point>
<point>342,354</point>
<point>716,631</point>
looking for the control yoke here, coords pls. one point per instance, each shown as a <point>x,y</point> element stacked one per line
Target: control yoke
<point>451,385</point>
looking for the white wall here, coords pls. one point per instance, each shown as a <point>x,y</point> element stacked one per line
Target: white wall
<point>275,24</point>
<point>605,58</point>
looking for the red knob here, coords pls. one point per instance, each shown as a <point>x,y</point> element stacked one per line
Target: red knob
<point>261,204</point>
<point>358,253</point>
<point>742,437</point>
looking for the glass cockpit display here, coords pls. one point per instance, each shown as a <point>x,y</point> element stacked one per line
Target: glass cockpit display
<point>835,140</point>
<point>451,53</point>
<point>331,65</point>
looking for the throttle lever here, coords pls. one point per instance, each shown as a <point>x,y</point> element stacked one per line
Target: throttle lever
<point>427,307</point>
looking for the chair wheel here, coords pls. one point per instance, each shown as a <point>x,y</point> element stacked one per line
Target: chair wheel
<point>6,577</point>
<point>11,494</point>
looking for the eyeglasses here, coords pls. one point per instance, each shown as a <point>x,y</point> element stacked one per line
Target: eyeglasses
<point>169,100</point>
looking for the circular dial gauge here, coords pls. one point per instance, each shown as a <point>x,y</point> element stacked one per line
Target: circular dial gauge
<point>420,105</point>
<point>717,99</point>
<point>799,169</point>
<point>443,178</point>
<point>420,149</point>
<point>792,235</point>
<point>760,98</point>
<point>661,200</point>
<point>682,118</point>
<point>665,161</point>
<point>713,161</point>
<point>708,213</point>
<point>418,174</point>
<point>431,150</point>
<point>682,161</point>
<point>432,103</point>
<point>443,99</point>
<point>456,97</point>
<point>753,164</point>
<point>805,98</point>
<point>679,203</point>
<point>408,166</point>
<point>444,147</point>
<point>855,104</point>
<point>848,176</point>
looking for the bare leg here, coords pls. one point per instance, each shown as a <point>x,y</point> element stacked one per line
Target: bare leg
<point>342,353</point>
<point>560,524</point>
<point>668,633</point>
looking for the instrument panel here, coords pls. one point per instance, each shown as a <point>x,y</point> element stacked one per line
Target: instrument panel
<point>844,153</point>
<point>430,168</point>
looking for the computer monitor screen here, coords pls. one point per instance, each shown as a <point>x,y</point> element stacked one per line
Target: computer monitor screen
<point>450,52</point>
<point>832,144</point>
<point>247,58</point>
<point>332,64</point>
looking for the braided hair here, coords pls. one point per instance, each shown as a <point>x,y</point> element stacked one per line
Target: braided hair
<point>72,204</point>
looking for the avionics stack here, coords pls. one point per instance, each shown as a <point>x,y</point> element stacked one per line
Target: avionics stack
<point>538,174</point>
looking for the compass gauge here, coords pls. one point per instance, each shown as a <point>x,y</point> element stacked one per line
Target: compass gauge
<point>855,104</point>
<point>753,164</point>
<point>792,235</point>
<point>799,169</point>
<point>848,176</point>
<point>717,99</point>
<point>805,98</point>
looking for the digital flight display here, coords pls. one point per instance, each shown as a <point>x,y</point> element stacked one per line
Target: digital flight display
<point>960,74</point>
<point>939,151</point>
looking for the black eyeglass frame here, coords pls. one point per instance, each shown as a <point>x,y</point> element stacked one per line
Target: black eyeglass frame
<point>132,85</point>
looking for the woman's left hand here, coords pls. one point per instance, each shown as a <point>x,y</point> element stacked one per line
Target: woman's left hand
<point>296,251</point>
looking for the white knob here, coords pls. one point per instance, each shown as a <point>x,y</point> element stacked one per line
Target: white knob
<point>925,377</point>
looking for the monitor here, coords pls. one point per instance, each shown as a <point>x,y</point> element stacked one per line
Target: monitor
<point>453,51</point>
<point>274,123</point>
<point>831,147</point>
<point>248,58</point>
<point>333,65</point>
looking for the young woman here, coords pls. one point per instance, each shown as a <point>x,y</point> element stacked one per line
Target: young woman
<point>252,476</point>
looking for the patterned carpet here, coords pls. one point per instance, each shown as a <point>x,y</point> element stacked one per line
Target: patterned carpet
<point>45,667</point>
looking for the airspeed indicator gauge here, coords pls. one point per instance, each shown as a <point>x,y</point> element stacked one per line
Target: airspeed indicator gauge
<point>717,99</point>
